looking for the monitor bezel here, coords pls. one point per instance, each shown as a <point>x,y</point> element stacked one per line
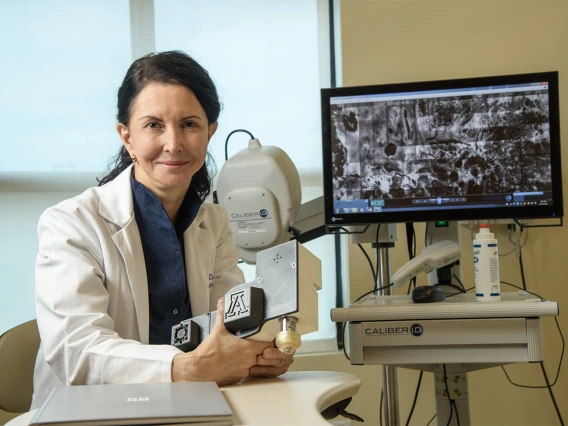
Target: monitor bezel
<point>556,210</point>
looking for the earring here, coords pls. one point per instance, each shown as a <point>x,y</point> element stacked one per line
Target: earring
<point>133,158</point>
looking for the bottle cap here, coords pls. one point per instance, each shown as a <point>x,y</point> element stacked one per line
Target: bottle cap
<point>484,225</point>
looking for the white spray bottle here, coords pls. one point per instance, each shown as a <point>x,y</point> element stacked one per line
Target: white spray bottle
<point>486,266</point>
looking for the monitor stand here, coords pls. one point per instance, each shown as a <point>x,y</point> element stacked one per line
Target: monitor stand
<point>443,408</point>
<point>383,242</point>
<point>387,237</point>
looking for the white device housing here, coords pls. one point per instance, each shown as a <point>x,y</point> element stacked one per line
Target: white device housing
<point>260,188</point>
<point>432,257</point>
<point>307,285</point>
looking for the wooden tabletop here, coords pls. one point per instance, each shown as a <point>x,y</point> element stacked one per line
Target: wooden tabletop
<point>296,398</point>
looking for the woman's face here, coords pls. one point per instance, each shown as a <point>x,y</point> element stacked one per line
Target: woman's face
<point>168,133</point>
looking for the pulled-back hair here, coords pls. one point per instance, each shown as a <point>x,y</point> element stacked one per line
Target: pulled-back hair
<point>173,67</point>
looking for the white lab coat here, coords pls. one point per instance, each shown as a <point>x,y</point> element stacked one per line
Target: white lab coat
<point>91,290</point>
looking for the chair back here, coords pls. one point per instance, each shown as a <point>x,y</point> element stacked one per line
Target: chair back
<point>18,351</point>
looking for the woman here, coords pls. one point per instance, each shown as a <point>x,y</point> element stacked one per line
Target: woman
<point>122,263</point>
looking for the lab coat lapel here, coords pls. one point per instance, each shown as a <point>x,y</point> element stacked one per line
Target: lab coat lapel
<point>199,259</point>
<point>128,242</point>
<point>117,206</point>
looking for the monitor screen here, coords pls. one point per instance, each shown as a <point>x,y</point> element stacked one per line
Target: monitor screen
<point>476,148</point>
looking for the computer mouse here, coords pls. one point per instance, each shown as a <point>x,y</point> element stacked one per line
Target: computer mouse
<point>427,294</point>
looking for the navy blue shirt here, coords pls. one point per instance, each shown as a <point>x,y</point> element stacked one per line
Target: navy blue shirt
<point>163,247</point>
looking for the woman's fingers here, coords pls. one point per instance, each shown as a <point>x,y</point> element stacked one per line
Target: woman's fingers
<point>272,356</point>
<point>284,359</point>
<point>272,370</point>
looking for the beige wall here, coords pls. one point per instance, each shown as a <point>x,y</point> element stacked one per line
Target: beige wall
<point>397,41</point>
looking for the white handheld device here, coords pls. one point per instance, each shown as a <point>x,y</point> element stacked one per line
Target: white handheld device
<point>435,256</point>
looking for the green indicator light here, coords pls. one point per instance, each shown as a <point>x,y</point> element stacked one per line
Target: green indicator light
<point>442,224</point>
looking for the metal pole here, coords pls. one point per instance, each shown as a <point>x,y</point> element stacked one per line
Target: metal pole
<point>390,386</point>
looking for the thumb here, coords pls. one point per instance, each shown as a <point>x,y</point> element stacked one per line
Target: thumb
<point>220,314</point>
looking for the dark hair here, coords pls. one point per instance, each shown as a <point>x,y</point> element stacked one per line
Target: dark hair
<point>173,67</point>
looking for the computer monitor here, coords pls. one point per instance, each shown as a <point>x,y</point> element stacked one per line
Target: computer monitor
<point>465,149</point>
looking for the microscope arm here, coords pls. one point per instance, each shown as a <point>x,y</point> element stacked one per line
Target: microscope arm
<point>280,303</point>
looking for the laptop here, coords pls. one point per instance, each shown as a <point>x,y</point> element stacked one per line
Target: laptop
<point>180,403</point>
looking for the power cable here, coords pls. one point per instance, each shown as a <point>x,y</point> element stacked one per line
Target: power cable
<point>522,289</point>
<point>548,385</point>
<point>459,281</point>
<point>448,393</point>
<point>415,398</point>
<point>551,394</point>
<point>377,256</point>
<point>433,417</point>
<point>522,270</point>
<point>372,291</point>
<point>456,409</point>
<point>356,300</point>
<point>381,409</point>
<point>455,294</point>
<point>411,246</point>
<point>370,263</point>
<point>458,288</point>
<point>344,345</point>
<point>375,278</point>
<point>557,371</point>
<point>227,140</point>
<point>509,232</point>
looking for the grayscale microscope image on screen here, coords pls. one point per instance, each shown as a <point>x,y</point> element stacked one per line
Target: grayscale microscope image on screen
<point>442,149</point>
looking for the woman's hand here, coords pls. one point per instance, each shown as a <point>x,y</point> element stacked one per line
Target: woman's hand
<point>271,363</point>
<point>221,357</point>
